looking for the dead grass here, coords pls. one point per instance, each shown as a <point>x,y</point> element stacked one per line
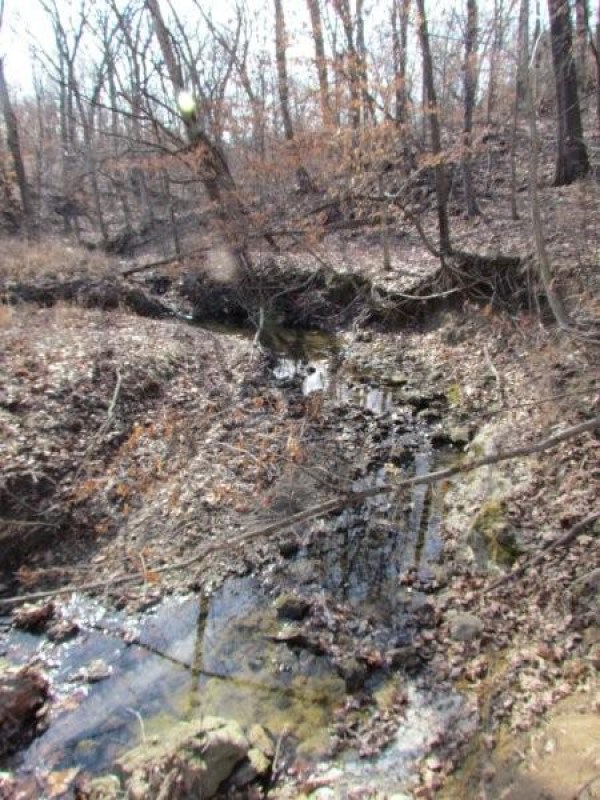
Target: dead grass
<point>23,260</point>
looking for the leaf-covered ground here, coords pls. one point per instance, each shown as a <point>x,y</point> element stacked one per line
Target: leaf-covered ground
<point>129,445</point>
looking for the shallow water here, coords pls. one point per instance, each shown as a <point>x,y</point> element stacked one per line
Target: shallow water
<point>219,655</point>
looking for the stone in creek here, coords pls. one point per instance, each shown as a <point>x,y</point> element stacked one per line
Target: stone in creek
<point>23,694</point>
<point>465,627</point>
<point>34,618</point>
<point>353,673</point>
<point>192,759</point>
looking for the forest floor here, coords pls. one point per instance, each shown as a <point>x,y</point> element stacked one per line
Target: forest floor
<point>146,458</point>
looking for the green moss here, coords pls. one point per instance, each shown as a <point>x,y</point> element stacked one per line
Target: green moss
<point>386,695</point>
<point>454,394</point>
<point>493,528</point>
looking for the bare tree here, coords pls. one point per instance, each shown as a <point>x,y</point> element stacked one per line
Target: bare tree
<point>441,184</point>
<point>520,95</point>
<point>213,168</point>
<point>582,23</point>
<point>342,9</point>
<point>303,178</point>
<point>572,159</point>
<point>400,15</point>
<point>470,92</point>
<point>316,22</point>
<point>543,262</point>
<point>14,145</point>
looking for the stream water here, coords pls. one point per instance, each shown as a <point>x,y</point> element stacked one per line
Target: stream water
<point>224,655</point>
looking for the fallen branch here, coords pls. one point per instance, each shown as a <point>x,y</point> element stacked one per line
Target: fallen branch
<point>328,507</point>
<point>562,541</point>
<point>163,262</point>
<point>104,427</point>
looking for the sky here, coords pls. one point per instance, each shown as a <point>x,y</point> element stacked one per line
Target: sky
<point>25,23</point>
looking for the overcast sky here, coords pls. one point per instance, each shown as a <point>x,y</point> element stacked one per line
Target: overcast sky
<point>25,23</point>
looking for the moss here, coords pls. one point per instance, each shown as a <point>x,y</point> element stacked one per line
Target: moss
<point>494,530</point>
<point>301,710</point>
<point>454,394</point>
<point>386,696</point>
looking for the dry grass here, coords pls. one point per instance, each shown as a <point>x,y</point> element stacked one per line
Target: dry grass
<point>23,260</point>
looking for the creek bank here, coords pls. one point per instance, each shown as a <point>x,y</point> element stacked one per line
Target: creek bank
<point>374,570</point>
<point>345,641</point>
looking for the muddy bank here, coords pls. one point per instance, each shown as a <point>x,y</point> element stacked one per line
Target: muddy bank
<point>281,293</point>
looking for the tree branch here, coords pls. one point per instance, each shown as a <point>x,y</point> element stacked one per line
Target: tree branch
<point>328,507</point>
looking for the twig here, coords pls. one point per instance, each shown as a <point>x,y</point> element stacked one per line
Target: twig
<point>274,764</point>
<point>163,261</point>
<point>567,538</point>
<point>26,523</point>
<point>579,792</point>
<point>328,507</point>
<point>496,375</point>
<point>115,397</point>
<point>105,425</point>
<point>140,719</point>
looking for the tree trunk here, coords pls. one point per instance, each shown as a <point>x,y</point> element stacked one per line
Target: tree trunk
<point>400,15</point>
<point>368,106</point>
<point>519,96</point>
<point>213,168</point>
<point>470,91</point>
<point>543,262</point>
<point>87,124</point>
<point>582,21</point>
<point>321,64</point>
<point>596,51</point>
<point>302,176</point>
<point>572,160</point>
<point>342,8</point>
<point>14,145</point>
<point>441,184</point>
<point>496,47</point>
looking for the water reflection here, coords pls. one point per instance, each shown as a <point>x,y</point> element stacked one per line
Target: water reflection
<point>191,656</point>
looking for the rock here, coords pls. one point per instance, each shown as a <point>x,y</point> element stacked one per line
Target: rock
<point>585,596</point>
<point>108,787</point>
<point>293,636</point>
<point>405,658</point>
<point>192,759</point>
<point>417,605</point>
<point>492,537</point>
<point>465,627</point>
<point>429,414</point>
<point>34,618</point>
<point>23,694</point>
<point>353,673</point>
<point>289,547</point>
<point>397,379</point>
<point>96,671</point>
<point>420,400</point>
<point>62,630</point>
<point>291,606</point>
<point>456,435</point>
<point>257,765</point>
<point>459,435</point>
<point>260,739</point>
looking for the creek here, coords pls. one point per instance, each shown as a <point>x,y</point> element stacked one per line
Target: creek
<point>231,654</point>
